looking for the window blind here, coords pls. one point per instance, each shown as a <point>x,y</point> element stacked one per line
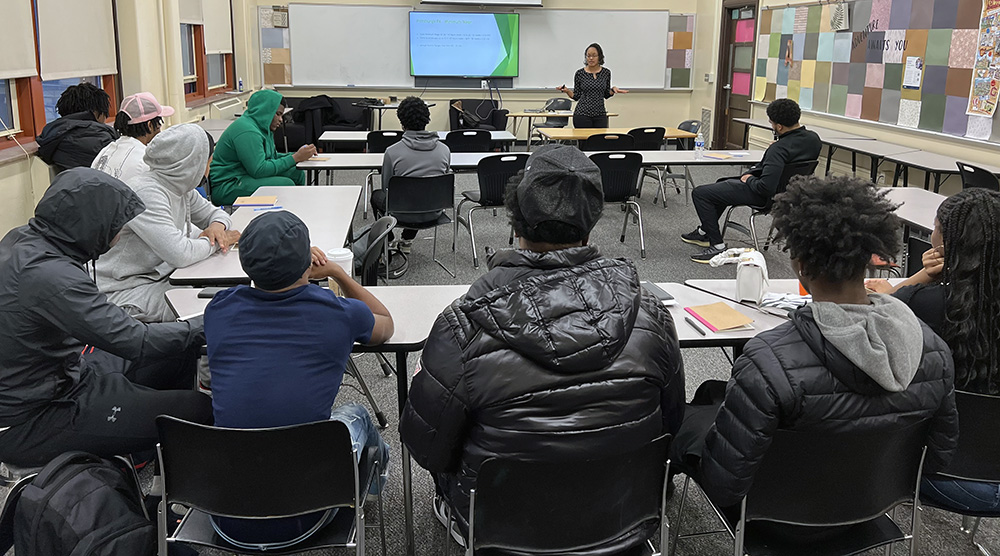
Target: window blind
<point>191,11</point>
<point>218,26</point>
<point>76,39</point>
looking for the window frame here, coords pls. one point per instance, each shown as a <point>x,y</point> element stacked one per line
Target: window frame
<point>202,91</point>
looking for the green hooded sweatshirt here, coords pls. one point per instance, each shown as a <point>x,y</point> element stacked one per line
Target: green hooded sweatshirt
<point>246,150</point>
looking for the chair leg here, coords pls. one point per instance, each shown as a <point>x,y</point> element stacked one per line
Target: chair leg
<point>915,529</point>
<point>642,236</point>
<point>381,523</point>
<point>359,535</point>
<point>161,528</point>
<point>680,516</point>
<point>472,237</point>
<point>753,230</point>
<point>448,541</point>
<point>770,232</point>
<point>625,223</point>
<point>352,369</point>
<point>369,186</point>
<point>510,241</point>
<point>387,368</point>
<point>434,253</point>
<point>725,221</point>
<point>740,532</point>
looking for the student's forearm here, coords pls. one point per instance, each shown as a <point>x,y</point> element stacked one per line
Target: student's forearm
<point>355,290</point>
<point>919,278</point>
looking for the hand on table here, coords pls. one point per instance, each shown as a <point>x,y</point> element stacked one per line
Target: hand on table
<point>879,285</point>
<point>217,234</point>
<point>933,260</point>
<point>304,153</point>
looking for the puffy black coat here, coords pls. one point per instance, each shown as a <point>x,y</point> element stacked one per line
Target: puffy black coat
<point>550,356</point>
<point>790,377</point>
<point>74,140</point>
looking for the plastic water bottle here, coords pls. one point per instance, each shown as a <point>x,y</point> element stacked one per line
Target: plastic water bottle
<point>699,146</point>
<point>239,84</point>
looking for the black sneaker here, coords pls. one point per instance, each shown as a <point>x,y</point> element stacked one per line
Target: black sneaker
<point>706,254</point>
<point>697,237</point>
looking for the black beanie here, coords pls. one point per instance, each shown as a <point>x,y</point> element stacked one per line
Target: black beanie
<point>275,250</point>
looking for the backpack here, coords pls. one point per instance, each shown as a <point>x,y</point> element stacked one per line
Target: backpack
<point>82,505</point>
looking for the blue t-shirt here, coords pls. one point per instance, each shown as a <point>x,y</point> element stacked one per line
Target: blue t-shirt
<point>278,359</point>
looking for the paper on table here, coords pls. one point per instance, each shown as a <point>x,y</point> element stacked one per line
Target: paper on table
<point>319,158</point>
<point>256,201</point>
<point>719,316</point>
<point>718,156</point>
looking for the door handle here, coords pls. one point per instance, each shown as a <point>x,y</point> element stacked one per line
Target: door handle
<point>728,86</point>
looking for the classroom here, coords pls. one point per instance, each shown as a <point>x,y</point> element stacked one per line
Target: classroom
<point>419,277</point>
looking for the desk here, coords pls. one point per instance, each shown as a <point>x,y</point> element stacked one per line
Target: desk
<point>931,163</point>
<point>546,114</point>
<point>687,296</point>
<point>362,136</point>
<point>327,211</point>
<point>215,127</point>
<point>918,211</point>
<point>823,132</point>
<point>383,107</point>
<point>579,134</point>
<point>877,151</point>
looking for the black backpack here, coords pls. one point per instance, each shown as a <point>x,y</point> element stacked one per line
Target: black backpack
<point>82,505</point>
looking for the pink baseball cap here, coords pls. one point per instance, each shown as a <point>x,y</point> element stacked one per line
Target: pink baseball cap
<point>142,107</point>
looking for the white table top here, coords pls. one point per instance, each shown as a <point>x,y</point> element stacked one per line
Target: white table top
<point>327,211</point>
<point>869,147</point>
<point>687,296</point>
<point>919,207</point>
<point>362,136</point>
<point>935,162</point>
<point>823,132</point>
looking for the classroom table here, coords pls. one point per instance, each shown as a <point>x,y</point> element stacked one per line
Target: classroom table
<point>327,211</point>
<point>824,133</point>
<point>934,164</point>
<point>687,296</point>
<point>215,127</point>
<point>579,134</point>
<point>917,211</point>
<point>499,137</point>
<point>726,289</point>
<point>877,151</point>
<point>516,116</point>
<point>383,107</point>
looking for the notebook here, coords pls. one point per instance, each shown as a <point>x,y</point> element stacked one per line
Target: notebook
<point>256,201</point>
<point>719,316</point>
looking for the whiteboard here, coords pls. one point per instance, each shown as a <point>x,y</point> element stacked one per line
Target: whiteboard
<point>343,45</point>
<point>553,44</point>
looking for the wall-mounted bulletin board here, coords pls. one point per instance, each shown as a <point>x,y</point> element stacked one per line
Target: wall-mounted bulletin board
<point>275,45</point>
<point>913,63</point>
<point>680,51</point>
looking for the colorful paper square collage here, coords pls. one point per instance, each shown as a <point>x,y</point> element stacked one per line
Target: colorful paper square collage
<point>859,73</point>
<point>680,51</point>
<point>275,52</point>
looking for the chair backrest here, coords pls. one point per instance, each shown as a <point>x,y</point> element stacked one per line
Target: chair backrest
<point>494,172</point>
<point>479,108</point>
<point>535,506</point>
<point>413,198</point>
<point>978,454</point>
<point>792,169</point>
<point>9,508</point>
<point>468,141</point>
<point>378,238</point>
<point>379,141</point>
<point>557,103</point>
<point>691,126</point>
<point>220,471</point>
<point>608,142</point>
<point>619,174</point>
<point>973,176</point>
<point>829,478</point>
<point>648,138</point>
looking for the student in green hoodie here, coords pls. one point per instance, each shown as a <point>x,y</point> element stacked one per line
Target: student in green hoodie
<point>245,157</point>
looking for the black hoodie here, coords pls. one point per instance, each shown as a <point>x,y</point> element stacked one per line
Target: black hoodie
<point>74,140</point>
<point>50,308</point>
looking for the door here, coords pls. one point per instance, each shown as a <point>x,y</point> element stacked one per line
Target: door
<point>736,58</point>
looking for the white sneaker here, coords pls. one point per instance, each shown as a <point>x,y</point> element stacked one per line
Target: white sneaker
<point>441,513</point>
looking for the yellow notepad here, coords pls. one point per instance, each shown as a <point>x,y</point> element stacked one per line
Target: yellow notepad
<point>256,201</point>
<point>719,316</point>
<point>318,158</point>
<point>718,156</point>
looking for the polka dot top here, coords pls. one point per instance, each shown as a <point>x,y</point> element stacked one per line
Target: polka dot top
<point>589,92</point>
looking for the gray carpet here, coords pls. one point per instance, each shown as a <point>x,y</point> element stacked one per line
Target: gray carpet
<point>666,261</point>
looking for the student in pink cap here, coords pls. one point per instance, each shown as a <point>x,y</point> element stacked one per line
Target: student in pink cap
<point>138,121</point>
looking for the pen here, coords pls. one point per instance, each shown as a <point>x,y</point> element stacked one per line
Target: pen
<point>695,326</point>
<point>266,208</point>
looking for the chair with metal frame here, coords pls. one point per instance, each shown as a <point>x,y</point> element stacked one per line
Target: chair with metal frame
<point>231,473</point>
<point>974,176</point>
<point>649,139</point>
<point>533,507</point>
<point>827,480</point>
<point>978,455</point>
<point>494,172</point>
<point>557,103</point>
<point>792,169</point>
<point>420,203</point>
<point>620,175</point>
<point>469,141</point>
<point>604,142</point>
<point>691,126</point>
<point>9,507</point>
<point>377,142</point>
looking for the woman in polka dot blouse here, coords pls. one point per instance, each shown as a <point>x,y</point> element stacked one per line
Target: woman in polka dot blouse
<point>591,85</point>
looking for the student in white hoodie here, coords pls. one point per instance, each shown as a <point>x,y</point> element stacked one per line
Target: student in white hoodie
<point>138,121</point>
<point>134,273</point>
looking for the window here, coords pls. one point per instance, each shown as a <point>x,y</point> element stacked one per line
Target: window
<point>187,51</point>
<point>52,90</point>
<point>206,48</point>
<point>216,70</point>
<point>6,108</point>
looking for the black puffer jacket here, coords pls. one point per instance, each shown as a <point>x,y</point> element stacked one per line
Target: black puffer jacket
<point>791,377</point>
<point>74,140</point>
<point>555,355</point>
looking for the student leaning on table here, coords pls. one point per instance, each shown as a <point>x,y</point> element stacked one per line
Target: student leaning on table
<point>246,157</point>
<point>135,273</point>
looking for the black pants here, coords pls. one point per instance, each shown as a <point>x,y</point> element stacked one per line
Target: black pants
<point>378,208</point>
<point>580,121</point>
<point>108,414</point>
<point>712,200</point>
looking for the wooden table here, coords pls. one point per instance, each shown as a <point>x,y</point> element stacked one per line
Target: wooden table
<point>940,166</point>
<point>327,211</point>
<point>546,114</point>
<point>579,134</point>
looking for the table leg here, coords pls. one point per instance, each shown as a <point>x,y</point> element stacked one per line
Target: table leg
<point>875,162</point>
<point>937,181</point>
<point>402,390</point>
<point>854,163</point>
<point>746,137</point>
<point>830,149</point>
<point>896,173</point>
<point>905,255</point>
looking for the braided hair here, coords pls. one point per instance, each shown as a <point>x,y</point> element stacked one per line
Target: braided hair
<point>85,97</point>
<point>970,228</point>
<point>136,130</point>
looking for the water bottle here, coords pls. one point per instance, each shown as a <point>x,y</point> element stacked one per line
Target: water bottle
<point>699,146</point>
<point>239,84</point>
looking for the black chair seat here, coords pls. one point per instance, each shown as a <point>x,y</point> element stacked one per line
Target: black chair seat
<point>854,539</point>
<point>441,220</point>
<point>473,196</point>
<point>197,529</point>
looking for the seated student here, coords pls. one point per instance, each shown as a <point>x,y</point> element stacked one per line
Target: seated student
<point>80,133</point>
<point>278,351</point>
<point>419,154</point>
<point>246,157</point>
<point>794,144</point>
<point>554,353</point>
<point>847,361</point>
<point>958,295</point>
<point>138,121</point>
<point>135,273</point>
<point>74,367</point>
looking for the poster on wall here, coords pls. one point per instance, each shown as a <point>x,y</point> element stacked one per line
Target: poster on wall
<point>986,70</point>
<point>913,73</point>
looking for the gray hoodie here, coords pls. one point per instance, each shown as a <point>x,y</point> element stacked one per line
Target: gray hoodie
<point>883,339</point>
<point>158,240</point>
<point>419,154</point>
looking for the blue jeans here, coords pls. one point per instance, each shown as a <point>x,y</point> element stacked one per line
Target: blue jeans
<point>971,496</point>
<point>364,434</point>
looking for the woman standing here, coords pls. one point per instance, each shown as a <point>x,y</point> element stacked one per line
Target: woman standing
<point>591,85</point>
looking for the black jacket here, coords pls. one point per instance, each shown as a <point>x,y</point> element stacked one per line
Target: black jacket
<point>74,140</point>
<point>797,145</point>
<point>791,378</point>
<point>557,355</point>
<point>50,307</point>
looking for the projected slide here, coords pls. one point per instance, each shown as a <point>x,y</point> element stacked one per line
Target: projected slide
<point>463,45</point>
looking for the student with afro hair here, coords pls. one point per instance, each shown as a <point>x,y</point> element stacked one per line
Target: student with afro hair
<point>849,361</point>
<point>794,144</point>
<point>419,154</point>
<point>80,133</point>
